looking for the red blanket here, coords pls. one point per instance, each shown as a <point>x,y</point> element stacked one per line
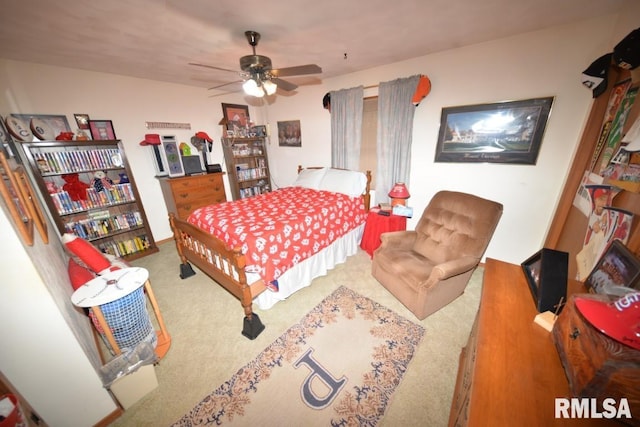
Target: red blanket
<point>280,229</point>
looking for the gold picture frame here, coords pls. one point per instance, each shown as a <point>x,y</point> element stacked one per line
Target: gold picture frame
<point>33,206</point>
<point>15,202</point>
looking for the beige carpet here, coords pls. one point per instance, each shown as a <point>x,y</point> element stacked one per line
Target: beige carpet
<point>207,347</point>
<point>339,365</point>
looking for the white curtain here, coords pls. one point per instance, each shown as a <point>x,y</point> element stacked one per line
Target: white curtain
<point>395,131</point>
<point>346,127</point>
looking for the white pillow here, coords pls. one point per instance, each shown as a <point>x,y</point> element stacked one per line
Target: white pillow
<point>351,183</point>
<point>310,178</point>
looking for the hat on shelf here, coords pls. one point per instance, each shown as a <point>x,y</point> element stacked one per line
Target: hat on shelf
<point>626,54</point>
<point>151,139</point>
<point>203,135</point>
<point>595,76</point>
<point>619,320</point>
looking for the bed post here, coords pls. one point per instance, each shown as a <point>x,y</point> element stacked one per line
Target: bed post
<point>367,192</point>
<point>185,268</point>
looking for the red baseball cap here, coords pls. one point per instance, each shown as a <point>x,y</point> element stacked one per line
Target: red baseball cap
<point>619,319</point>
<point>203,135</point>
<point>151,139</point>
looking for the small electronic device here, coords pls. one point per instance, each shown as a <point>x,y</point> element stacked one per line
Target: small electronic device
<point>546,272</point>
<point>214,168</point>
<point>192,165</point>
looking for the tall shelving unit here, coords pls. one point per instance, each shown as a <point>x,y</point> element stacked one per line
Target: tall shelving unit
<point>113,218</point>
<point>247,166</point>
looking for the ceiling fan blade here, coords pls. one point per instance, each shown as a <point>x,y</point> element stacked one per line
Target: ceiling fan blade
<point>284,85</point>
<point>212,67</point>
<point>225,93</point>
<point>296,71</point>
<point>224,84</point>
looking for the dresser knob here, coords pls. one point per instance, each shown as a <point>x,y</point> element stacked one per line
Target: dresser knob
<point>574,334</point>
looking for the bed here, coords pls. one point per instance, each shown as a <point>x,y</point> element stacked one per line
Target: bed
<point>264,248</point>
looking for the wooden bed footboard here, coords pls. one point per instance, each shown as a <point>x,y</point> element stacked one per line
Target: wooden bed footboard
<point>224,265</point>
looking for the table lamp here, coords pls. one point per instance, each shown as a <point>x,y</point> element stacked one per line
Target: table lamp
<point>399,194</point>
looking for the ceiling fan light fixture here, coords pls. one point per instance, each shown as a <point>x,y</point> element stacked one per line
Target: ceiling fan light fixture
<point>269,87</point>
<point>251,88</point>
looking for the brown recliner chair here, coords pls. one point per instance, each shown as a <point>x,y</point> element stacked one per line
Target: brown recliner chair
<point>429,267</point>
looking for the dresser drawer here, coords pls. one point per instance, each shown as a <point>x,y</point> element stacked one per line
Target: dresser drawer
<point>216,195</point>
<point>183,195</point>
<point>197,182</point>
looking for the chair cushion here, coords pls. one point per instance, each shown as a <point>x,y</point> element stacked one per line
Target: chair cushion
<point>407,266</point>
<point>454,225</point>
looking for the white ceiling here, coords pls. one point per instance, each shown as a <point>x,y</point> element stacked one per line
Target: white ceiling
<point>156,39</point>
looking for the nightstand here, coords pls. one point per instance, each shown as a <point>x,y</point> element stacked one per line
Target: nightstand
<point>376,225</point>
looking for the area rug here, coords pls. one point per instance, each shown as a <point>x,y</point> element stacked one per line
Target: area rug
<point>339,366</point>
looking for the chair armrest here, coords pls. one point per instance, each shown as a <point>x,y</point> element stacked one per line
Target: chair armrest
<point>398,239</point>
<point>453,268</point>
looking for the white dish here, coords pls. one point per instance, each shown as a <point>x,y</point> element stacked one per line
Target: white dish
<point>42,130</point>
<point>19,129</point>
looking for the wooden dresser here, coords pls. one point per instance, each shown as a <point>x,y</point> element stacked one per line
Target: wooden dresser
<point>183,195</point>
<point>510,372</point>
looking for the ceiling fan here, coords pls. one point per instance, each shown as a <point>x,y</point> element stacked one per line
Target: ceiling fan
<point>258,76</point>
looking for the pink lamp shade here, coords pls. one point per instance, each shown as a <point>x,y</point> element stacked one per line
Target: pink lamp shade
<point>398,194</point>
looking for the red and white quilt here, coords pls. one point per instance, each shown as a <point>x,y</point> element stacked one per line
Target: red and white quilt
<point>277,230</point>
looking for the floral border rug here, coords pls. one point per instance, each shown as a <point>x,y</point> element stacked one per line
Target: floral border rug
<point>339,366</point>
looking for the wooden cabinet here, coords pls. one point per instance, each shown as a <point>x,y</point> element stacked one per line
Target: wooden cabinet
<point>183,195</point>
<point>597,365</point>
<point>108,212</point>
<point>569,225</point>
<point>247,166</point>
<point>510,372</point>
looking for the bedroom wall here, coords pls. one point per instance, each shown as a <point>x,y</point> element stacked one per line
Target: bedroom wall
<point>536,64</point>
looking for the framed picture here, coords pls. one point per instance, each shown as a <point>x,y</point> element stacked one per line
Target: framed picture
<point>259,131</point>
<point>546,273</point>
<point>172,154</point>
<point>31,202</point>
<point>102,130</point>
<point>617,271</point>
<point>504,132</point>
<point>289,134</point>
<point>8,145</point>
<point>236,116</point>
<point>45,127</point>
<point>82,120</point>
<point>15,202</point>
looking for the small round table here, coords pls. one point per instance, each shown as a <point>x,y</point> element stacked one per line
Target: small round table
<point>376,225</point>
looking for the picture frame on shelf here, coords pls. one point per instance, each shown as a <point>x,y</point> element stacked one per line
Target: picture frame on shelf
<point>616,272</point>
<point>82,120</point>
<point>260,131</point>
<point>501,132</point>
<point>236,116</point>
<point>546,273</point>
<point>171,152</point>
<point>45,127</point>
<point>102,130</point>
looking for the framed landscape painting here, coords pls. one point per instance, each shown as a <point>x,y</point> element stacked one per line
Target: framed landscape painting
<point>503,132</point>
